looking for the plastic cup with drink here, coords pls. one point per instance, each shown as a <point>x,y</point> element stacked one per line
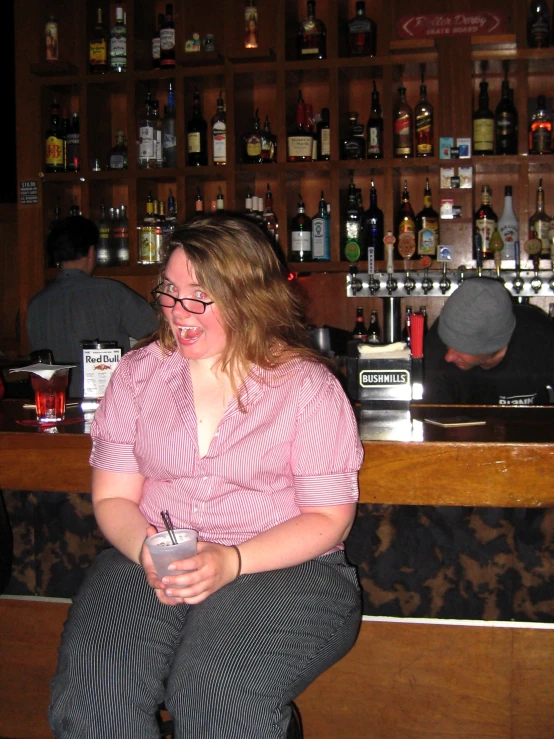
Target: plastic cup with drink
<point>164,553</point>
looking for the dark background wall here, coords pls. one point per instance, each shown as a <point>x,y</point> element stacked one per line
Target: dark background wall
<point>7,64</point>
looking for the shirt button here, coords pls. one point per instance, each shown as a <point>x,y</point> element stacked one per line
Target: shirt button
<point>204,479</point>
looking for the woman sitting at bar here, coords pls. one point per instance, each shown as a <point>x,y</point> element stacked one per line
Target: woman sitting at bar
<point>234,425</point>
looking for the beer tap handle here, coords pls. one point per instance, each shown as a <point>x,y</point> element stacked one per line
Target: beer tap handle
<point>445,283</point>
<point>409,283</point>
<point>355,283</point>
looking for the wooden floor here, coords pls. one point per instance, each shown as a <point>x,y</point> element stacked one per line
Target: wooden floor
<point>401,680</point>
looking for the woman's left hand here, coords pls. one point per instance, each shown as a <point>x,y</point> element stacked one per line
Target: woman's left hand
<point>214,565</point>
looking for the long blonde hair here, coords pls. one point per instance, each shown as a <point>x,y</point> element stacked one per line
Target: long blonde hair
<point>236,264</point>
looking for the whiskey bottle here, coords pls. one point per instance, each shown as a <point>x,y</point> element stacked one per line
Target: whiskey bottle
<point>117,158</point>
<point>359,332</point>
<point>353,145</point>
<point>311,38</point>
<point>250,25</point>
<point>539,224</point>
<point>252,143</point>
<point>321,233</point>
<point>375,127</point>
<point>362,33</point>
<point>506,122</point>
<point>169,130</point>
<point>299,140</point>
<point>405,228</point>
<point>485,223</point>
<point>269,144</point>
<point>324,137</point>
<point>540,129</point>
<point>538,24</point>
<point>219,133</point>
<point>508,226</point>
<point>403,138</point>
<point>301,235</point>
<point>269,217</point>
<point>147,234</point>
<point>103,247</point>
<point>156,51</point>
<point>146,141</point>
<point>352,227</point>
<point>98,47</point>
<point>73,145</point>
<point>483,123</point>
<point>424,129</point>
<point>167,39</point>
<point>54,161</point>
<point>373,226</point>
<point>427,226</point>
<point>120,237</point>
<point>197,135</point>
<point>118,43</point>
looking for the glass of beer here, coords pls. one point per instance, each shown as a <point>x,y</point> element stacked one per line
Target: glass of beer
<point>50,396</point>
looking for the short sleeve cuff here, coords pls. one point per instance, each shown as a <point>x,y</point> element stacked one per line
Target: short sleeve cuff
<point>108,455</point>
<point>323,490</point>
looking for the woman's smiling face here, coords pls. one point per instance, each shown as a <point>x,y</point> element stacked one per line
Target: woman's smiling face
<point>198,336</point>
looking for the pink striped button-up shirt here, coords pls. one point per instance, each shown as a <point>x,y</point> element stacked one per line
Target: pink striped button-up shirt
<point>297,445</point>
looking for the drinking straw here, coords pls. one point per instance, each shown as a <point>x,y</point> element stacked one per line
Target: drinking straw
<point>169,526</point>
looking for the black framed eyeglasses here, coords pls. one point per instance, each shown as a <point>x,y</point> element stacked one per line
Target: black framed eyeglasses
<point>191,305</point>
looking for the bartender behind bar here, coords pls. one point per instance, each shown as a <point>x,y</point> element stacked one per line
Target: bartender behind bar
<point>77,307</point>
<point>484,350</point>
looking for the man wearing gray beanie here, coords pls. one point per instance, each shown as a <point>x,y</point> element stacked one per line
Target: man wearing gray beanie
<point>484,350</point>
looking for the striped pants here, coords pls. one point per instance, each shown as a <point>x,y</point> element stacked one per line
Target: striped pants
<point>226,668</point>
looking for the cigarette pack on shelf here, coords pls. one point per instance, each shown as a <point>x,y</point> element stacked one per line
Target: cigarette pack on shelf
<point>381,377</point>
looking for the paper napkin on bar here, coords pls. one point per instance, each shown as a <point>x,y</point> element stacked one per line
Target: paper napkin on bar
<point>398,350</point>
<point>47,371</point>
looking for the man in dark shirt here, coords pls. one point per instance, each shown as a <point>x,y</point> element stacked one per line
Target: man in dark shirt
<point>484,350</point>
<point>77,306</point>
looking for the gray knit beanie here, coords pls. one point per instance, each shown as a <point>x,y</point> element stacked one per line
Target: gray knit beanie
<point>478,317</point>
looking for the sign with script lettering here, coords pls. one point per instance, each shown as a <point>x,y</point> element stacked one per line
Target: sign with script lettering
<point>433,25</point>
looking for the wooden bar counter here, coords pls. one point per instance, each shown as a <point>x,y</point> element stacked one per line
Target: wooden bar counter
<point>404,678</point>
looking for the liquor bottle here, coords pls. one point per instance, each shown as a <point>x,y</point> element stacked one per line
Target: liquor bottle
<point>167,39</point>
<point>269,217</point>
<point>120,237</point>
<point>98,47</point>
<point>54,141</point>
<point>406,228</point>
<point>407,323</point>
<point>51,38</point>
<point>169,130</point>
<point>252,142</point>
<point>219,133</point>
<point>424,128</point>
<point>427,225</point>
<point>117,158</point>
<point>374,329</point>
<point>359,332</point>
<point>540,129</point>
<point>324,137</point>
<point>147,234</point>
<point>375,127</point>
<point>539,224</point>
<point>373,226</point>
<point>198,203</point>
<point>118,43</point>
<point>362,33</point>
<point>171,217</point>
<point>269,144</point>
<point>309,126</point>
<point>299,140</point>
<point>321,233</point>
<point>403,144</point>
<point>146,141</point>
<point>197,135</point>
<point>538,24</point>
<point>158,134</point>
<point>353,145</point>
<point>311,38</point>
<point>508,226</point>
<point>66,127</point>
<point>352,227</point>
<point>156,51</point>
<point>103,247</point>
<point>301,235</point>
<point>220,200</point>
<point>483,123</point>
<point>73,145</point>
<point>250,25</point>
<point>506,122</point>
<point>485,222</point>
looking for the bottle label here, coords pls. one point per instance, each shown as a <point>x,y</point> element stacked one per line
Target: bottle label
<point>352,250</point>
<point>156,48</point>
<point>374,141</point>
<point>73,151</point>
<point>254,146</point>
<point>169,141</point>
<point>541,140</point>
<point>403,136</point>
<point>147,245</point>
<point>299,146</point>
<point>509,234</point>
<point>540,230</point>
<point>301,241</point>
<point>485,227</point>
<point>98,53</point>
<point>118,51</point>
<point>117,161</point>
<point>427,239</point>
<point>167,39</point>
<point>320,238</point>
<point>219,133</point>
<point>51,31</point>
<point>54,151</point>
<point>483,134</point>
<point>325,142</point>
<point>146,142</point>
<point>406,244</point>
<point>193,140</point>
